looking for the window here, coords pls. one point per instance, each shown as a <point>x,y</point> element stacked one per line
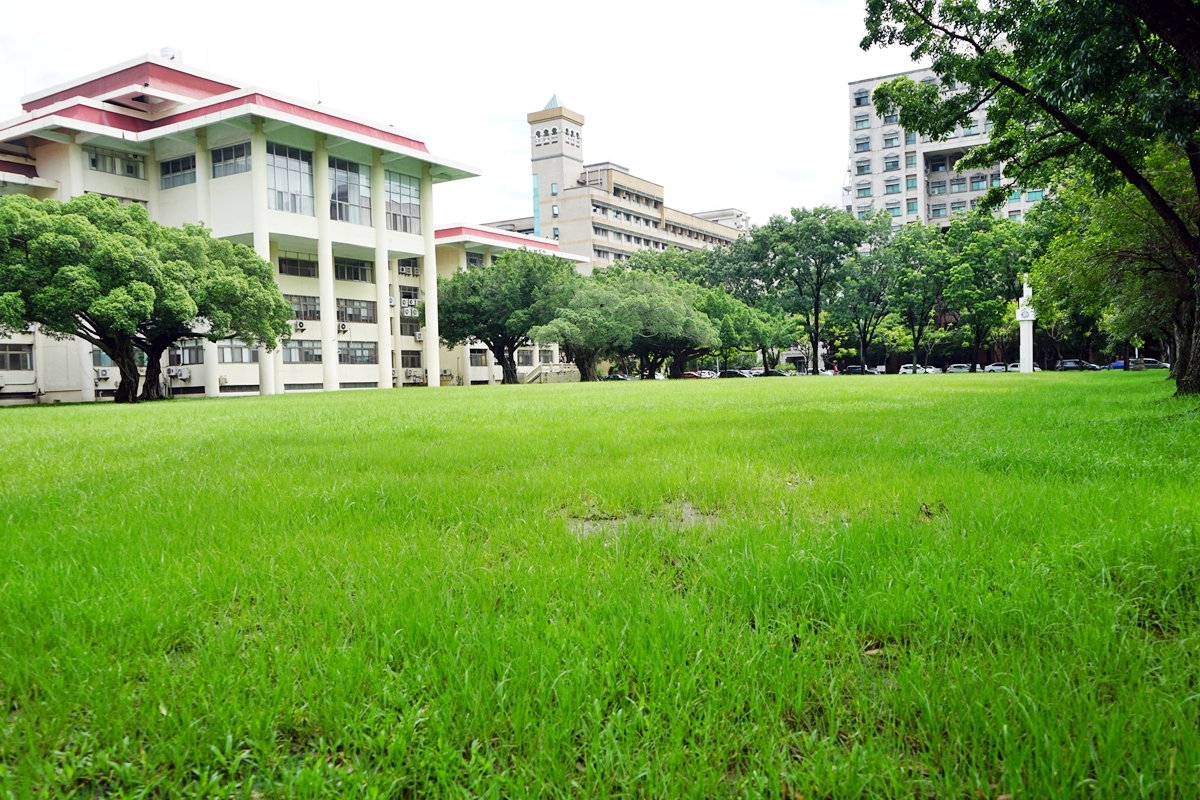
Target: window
<point>304,306</point>
<point>358,353</point>
<point>893,211</point>
<point>863,168</point>
<point>302,351</point>
<point>910,161</point>
<point>910,137</point>
<point>862,98</point>
<point>409,328</point>
<point>178,172</point>
<point>937,187</point>
<point>862,122</point>
<point>864,191</point>
<point>403,208</point>
<point>545,356</point>
<point>525,357</point>
<point>891,140</point>
<point>1015,197</point>
<point>938,211</point>
<point>478,357</point>
<point>958,185</point>
<point>937,164</point>
<point>352,269</point>
<point>289,179</point>
<point>891,119</point>
<point>995,179</point>
<point>958,207</point>
<point>911,206</point>
<point>556,234</point>
<point>231,160</point>
<point>474,260</point>
<point>407,292</point>
<point>978,183</point>
<point>408,266</point>
<point>971,128</point>
<point>233,351</point>
<point>102,159</point>
<point>302,265</point>
<point>1033,194</point>
<point>910,183</point>
<point>1015,216</point>
<point>862,146</point>
<point>186,352</point>
<point>410,359</point>
<point>355,311</point>
<point>554,211</point>
<point>349,192</point>
<point>891,164</point>
<point>16,357</point>
<point>863,213</point>
<point>892,187</point>
<point>554,188</point>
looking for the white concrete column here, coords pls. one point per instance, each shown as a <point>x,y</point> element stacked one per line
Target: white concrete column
<point>87,384</point>
<point>329,341</point>
<point>260,226</point>
<point>383,317</point>
<point>464,349</point>
<point>1026,345</point>
<point>204,175</point>
<point>74,186</point>
<point>491,368</point>
<point>212,370</point>
<point>432,355</point>
<point>153,183</point>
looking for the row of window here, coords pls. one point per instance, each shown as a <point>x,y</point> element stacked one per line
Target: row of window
<point>308,351</point>
<point>307,307</point>
<point>525,357</point>
<point>174,172</point>
<point>16,357</point>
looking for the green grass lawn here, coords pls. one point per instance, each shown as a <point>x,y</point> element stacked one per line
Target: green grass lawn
<point>949,586</point>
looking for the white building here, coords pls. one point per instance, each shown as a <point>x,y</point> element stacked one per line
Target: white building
<point>342,207</point>
<point>912,177</point>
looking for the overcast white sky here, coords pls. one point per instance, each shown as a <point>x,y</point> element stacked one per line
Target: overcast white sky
<point>739,103</point>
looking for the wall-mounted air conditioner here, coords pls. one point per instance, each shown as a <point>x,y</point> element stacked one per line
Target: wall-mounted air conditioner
<point>419,336</point>
<point>172,372</point>
<point>300,325</point>
<point>393,373</point>
<point>102,373</point>
<point>185,374</point>
<point>391,301</point>
<point>343,327</point>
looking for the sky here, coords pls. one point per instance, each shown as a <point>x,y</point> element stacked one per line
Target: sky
<point>741,103</point>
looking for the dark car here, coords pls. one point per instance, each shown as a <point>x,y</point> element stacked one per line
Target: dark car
<point>733,373</point>
<point>1074,365</point>
<point>858,369</point>
<point>616,376</point>
<point>773,373</point>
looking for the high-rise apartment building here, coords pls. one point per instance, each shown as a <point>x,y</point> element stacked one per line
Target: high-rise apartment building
<point>341,207</point>
<point>912,177</point>
<point>600,211</point>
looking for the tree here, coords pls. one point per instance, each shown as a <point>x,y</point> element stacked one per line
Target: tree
<point>103,272</point>
<point>665,319</point>
<point>499,304</point>
<point>591,327</point>
<point>917,258</point>
<point>1090,84</point>
<point>867,287</point>
<point>987,256</point>
<point>804,258</point>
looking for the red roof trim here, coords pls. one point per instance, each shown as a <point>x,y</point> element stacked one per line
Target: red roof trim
<point>113,119</point>
<point>497,235</point>
<point>146,73</point>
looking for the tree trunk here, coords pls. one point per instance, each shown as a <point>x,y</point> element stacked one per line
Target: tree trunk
<point>678,363</point>
<point>127,389</point>
<point>152,387</point>
<point>1186,366</point>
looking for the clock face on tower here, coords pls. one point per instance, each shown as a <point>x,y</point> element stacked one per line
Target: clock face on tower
<point>1025,313</point>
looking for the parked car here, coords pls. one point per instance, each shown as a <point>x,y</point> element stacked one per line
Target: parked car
<point>1074,365</point>
<point>733,373</point>
<point>996,366</point>
<point>692,374</point>
<point>1154,363</point>
<point>616,376</point>
<point>858,369</point>
<point>708,373</point>
<point>773,373</point>
<point>909,369</point>
<point>1016,367</point>
<point>933,370</point>
<point>958,368</point>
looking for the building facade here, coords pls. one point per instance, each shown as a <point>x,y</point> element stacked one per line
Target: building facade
<point>341,207</point>
<point>601,212</point>
<point>911,177</point>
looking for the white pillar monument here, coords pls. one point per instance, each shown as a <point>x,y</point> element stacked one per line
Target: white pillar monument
<point>1025,317</point>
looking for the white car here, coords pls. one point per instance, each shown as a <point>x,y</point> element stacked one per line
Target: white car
<point>909,369</point>
<point>958,368</point>
<point>1016,367</point>
<point>933,370</point>
<point>998,366</point>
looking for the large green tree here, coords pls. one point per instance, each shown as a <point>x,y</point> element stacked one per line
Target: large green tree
<point>592,326</point>
<point>803,258</point>
<point>917,259</point>
<point>102,271</point>
<point>500,303</point>
<point>1096,85</point>
<point>867,287</point>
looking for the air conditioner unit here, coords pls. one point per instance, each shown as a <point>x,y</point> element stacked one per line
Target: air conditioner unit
<point>416,272</point>
<point>393,373</point>
<point>410,312</point>
<point>405,302</point>
<point>419,336</point>
<point>185,374</point>
<point>391,301</point>
<point>408,373</point>
<point>343,327</point>
<point>172,372</point>
<point>447,372</point>
<point>102,374</point>
<point>300,325</point>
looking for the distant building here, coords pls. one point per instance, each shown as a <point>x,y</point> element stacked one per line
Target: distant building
<point>600,211</point>
<point>911,177</point>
